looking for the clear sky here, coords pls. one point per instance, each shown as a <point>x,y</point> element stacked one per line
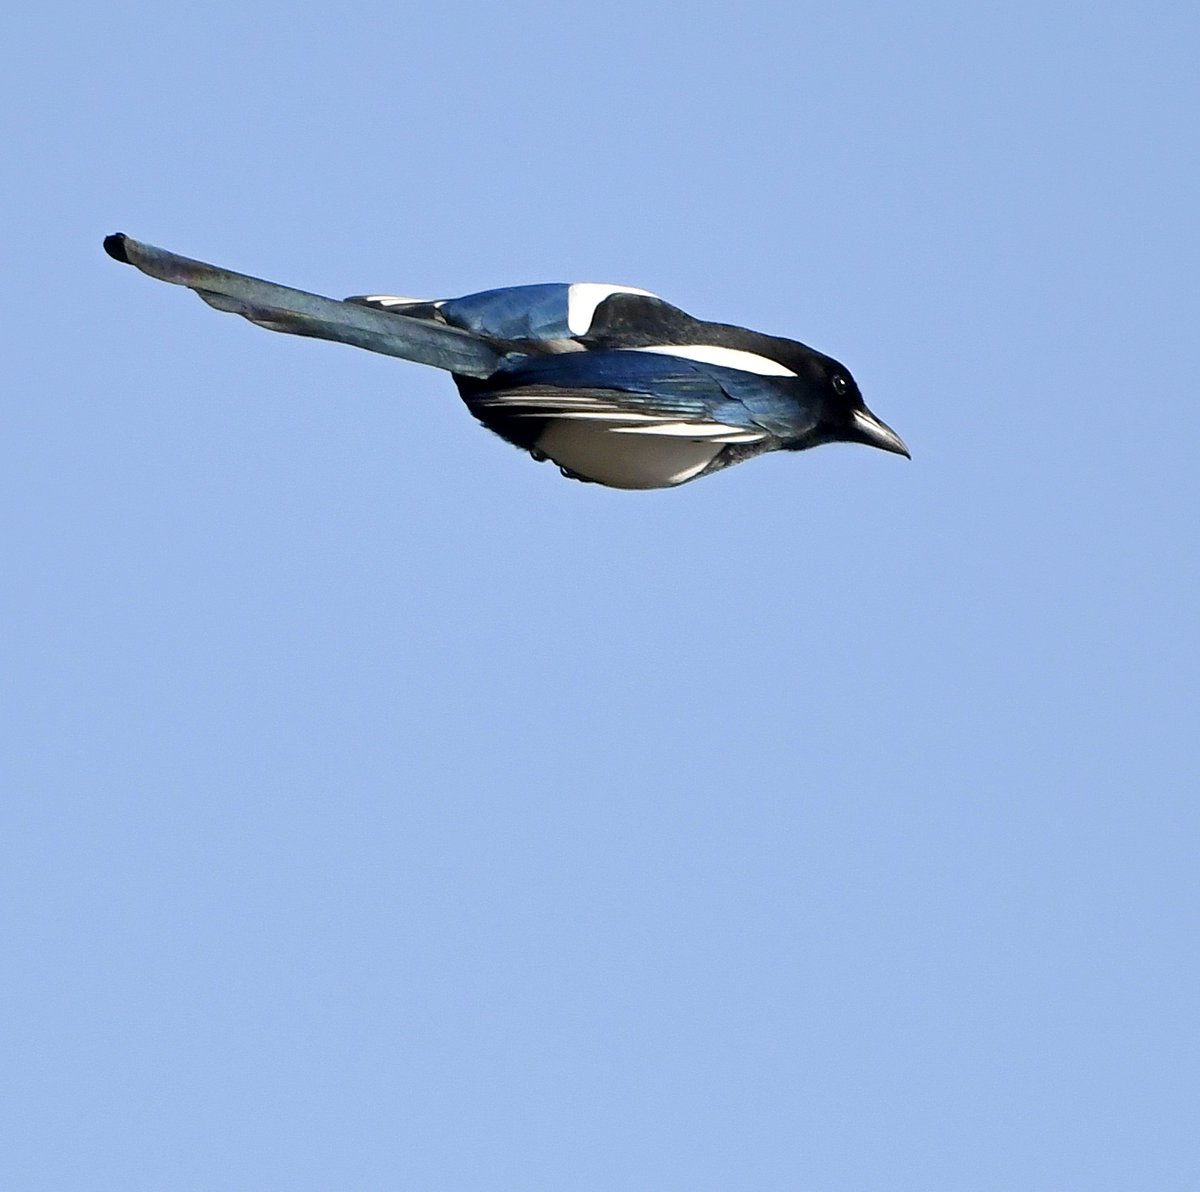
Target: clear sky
<point>383,811</point>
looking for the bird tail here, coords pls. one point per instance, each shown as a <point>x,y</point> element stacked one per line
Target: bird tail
<point>296,312</point>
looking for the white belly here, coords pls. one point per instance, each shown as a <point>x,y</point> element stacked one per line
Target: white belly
<point>594,451</point>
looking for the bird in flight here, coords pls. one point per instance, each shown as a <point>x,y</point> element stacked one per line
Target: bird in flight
<point>611,383</point>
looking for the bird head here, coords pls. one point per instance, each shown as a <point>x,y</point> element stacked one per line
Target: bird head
<point>844,415</point>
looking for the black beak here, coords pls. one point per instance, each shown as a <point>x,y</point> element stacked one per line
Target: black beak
<point>868,429</point>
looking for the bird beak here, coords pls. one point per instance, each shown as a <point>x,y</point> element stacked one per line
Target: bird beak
<point>878,434</point>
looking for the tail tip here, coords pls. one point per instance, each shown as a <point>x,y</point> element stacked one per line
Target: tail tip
<point>114,245</point>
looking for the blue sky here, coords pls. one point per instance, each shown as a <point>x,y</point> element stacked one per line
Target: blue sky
<point>384,811</point>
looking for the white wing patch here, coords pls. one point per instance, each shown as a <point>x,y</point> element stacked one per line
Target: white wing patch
<point>396,300</point>
<point>750,362</point>
<point>584,296</point>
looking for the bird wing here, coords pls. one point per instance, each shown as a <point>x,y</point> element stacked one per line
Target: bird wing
<point>632,392</point>
<point>610,410</point>
<point>297,312</point>
<point>552,313</point>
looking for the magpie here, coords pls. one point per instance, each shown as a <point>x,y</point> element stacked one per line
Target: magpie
<point>613,384</point>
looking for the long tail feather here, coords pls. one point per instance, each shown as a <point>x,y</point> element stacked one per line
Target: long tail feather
<point>296,312</point>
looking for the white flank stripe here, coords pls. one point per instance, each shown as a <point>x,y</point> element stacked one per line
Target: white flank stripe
<point>750,362</point>
<point>696,430</point>
<point>550,401</point>
<point>584,296</point>
<point>600,416</point>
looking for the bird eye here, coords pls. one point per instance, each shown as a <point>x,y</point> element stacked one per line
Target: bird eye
<point>839,384</point>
